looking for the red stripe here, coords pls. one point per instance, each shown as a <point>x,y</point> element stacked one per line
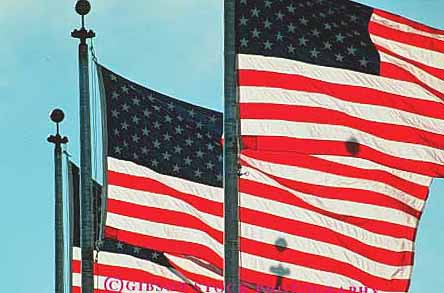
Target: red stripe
<point>396,72</point>
<point>158,215</point>
<point>311,231</point>
<point>439,73</point>
<point>151,185</point>
<point>332,117</point>
<point>350,93</point>
<point>166,245</point>
<point>323,165</point>
<point>76,266</point>
<point>341,148</point>
<point>372,225</point>
<point>408,22</point>
<point>412,39</point>
<point>198,278</point>
<point>321,263</point>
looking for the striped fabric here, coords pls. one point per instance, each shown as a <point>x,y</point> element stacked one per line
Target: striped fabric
<point>337,158</point>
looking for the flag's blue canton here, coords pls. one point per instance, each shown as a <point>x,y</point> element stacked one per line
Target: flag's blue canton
<point>323,32</point>
<point>167,135</point>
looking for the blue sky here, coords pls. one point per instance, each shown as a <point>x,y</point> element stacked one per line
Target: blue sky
<point>173,46</point>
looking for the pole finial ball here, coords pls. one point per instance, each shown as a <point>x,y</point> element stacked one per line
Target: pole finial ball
<point>83,7</point>
<point>57,115</point>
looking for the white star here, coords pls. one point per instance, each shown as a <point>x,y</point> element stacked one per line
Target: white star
<point>340,38</point>
<point>303,20</point>
<point>156,144</point>
<point>136,101</point>
<point>315,33</point>
<point>189,141</point>
<point>291,28</point>
<point>210,166</point>
<point>303,41</point>
<point>199,154</point>
<point>191,113</point>
<point>124,125</point>
<point>198,173</point>
<point>117,150</point>
<point>280,16</point>
<point>351,50</point>
<point>178,149</point>
<point>279,36</point>
<point>291,49</point>
<point>327,45</point>
<point>244,42</point>
<point>136,119</point>
<point>115,95</point>
<point>339,57</point>
<point>267,23</point>
<point>170,106</point>
<point>125,107</point>
<point>154,163</point>
<point>125,89</point>
<point>168,119</point>
<point>188,161</point>
<point>115,113</point>
<point>363,62</point>
<point>243,20</point>
<point>314,53</point>
<point>256,33</point>
<point>155,255</point>
<point>144,150</point>
<point>268,4</point>
<point>179,129</point>
<point>145,131</point>
<point>113,77</point>
<point>156,125</point>
<point>291,8</point>
<point>147,113</point>
<point>167,137</point>
<point>166,156</point>
<point>136,138</point>
<point>268,45</point>
<point>327,26</point>
<point>255,12</point>
<point>176,168</point>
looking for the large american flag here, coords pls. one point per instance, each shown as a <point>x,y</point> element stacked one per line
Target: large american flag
<point>164,177</point>
<point>342,123</point>
<point>122,267</point>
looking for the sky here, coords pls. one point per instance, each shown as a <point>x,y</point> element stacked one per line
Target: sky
<point>172,46</point>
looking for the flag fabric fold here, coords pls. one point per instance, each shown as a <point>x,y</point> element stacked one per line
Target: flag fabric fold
<point>341,110</point>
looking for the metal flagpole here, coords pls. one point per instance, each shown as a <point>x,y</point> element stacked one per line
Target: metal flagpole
<point>57,117</point>
<point>87,227</point>
<point>231,149</point>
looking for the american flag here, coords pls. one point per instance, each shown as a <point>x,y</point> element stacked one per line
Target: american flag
<point>121,267</point>
<point>341,109</point>
<point>164,177</point>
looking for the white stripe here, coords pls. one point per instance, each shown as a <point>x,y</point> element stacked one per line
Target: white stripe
<point>254,235</point>
<point>192,267</point>
<point>335,75</point>
<point>250,202</point>
<point>164,202</point>
<point>404,27</point>
<point>314,218</point>
<point>337,206</point>
<point>365,111</point>
<point>421,74</point>
<point>302,130</point>
<point>366,164</point>
<point>319,178</point>
<point>314,247</point>
<point>181,185</point>
<point>263,205</point>
<point>164,231</point>
<point>421,55</point>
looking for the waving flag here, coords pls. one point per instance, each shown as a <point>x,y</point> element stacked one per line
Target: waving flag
<point>164,177</point>
<point>121,267</point>
<point>341,109</point>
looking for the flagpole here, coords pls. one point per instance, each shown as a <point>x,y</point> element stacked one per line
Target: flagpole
<point>57,116</point>
<point>87,228</point>
<point>231,149</point>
